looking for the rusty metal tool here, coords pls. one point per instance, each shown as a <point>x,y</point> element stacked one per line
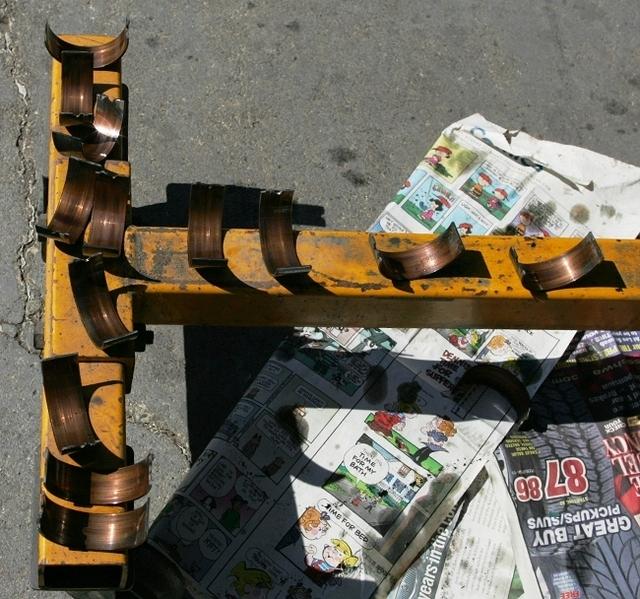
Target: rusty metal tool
<point>105,376</point>
<point>417,262</point>
<point>277,239</point>
<point>204,237</point>
<point>348,289</point>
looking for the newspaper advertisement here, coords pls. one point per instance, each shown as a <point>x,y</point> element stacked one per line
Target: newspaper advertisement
<point>574,476</point>
<point>351,447</point>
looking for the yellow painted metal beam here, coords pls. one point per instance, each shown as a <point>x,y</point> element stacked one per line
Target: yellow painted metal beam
<point>103,376</point>
<point>346,288</point>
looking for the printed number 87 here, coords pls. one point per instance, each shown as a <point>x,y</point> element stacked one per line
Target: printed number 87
<point>529,488</point>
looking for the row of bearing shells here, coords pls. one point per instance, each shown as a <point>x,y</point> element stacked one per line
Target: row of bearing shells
<point>93,209</point>
<point>277,240</point>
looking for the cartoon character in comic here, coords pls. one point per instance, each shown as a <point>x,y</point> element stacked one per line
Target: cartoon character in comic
<point>465,229</point>
<point>499,346</point>
<point>395,415</point>
<point>437,155</point>
<point>230,518</point>
<point>336,556</point>
<point>312,525</point>
<point>479,185</point>
<point>375,340</point>
<point>370,503</point>
<point>436,435</point>
<point>385,422</point>
<point>472,339</point>
<point>497,199</point>
<point>312,338</point>
<point>436,206</point>
<point>526,226</point>
<point>249,582</point>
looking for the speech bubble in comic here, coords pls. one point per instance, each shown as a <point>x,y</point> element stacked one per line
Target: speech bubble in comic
<point>249,492</point>
<point>212,544</point>
<point>366,464</point>
<point>190,524</point>
<point>220,479</point>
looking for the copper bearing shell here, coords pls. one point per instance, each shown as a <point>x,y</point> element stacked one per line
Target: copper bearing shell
<point>420,261</point>
<point>277,238</point>
<point>96,307</point>
<point>561,270</point>
<point>204,236</point>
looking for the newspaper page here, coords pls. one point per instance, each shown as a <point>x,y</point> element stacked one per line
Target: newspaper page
<point>575,475</point>
<point>350,448</point>
<point>470,552</point>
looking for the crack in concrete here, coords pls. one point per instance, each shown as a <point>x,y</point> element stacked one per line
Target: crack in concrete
<point>138,413</point>
<point>32,305</point>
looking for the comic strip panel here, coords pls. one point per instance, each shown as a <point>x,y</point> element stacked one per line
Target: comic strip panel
<point>386,223</point>
<point>409,184</point>
<point>303,409</point>
<point>467,220</point>
<point>271,447</point>
<point>347,371</point>
<point>374,484</point>
<point>227,495</point>
<point>360,340</point>
<point>186,534</point>
<point>537,219</point>
<point>428,202</point>
<point>447,158</point>
<point>398,422</point>
<point>519,354</point>
<point>272,376</point>
<point>238,419</point>
<point>323,545</point>
<point>493,194</point>
<point>252,573</point>
<point>468,341</point>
